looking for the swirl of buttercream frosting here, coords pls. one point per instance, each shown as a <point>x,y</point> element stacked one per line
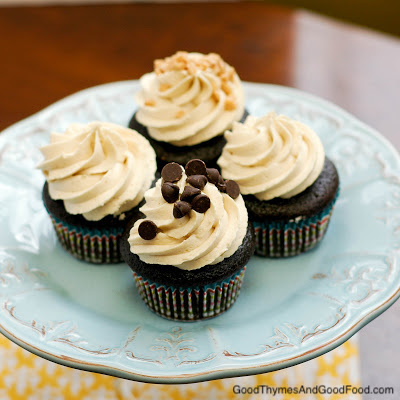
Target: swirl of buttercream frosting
<point>98,169</point>
<point>272,156</point>
<point>195,240</point>
<point>189,98</point>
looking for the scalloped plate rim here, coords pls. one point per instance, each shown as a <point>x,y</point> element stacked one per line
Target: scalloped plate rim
<point>282,88</point>
<point>227,371</point>
<point>216,374</point>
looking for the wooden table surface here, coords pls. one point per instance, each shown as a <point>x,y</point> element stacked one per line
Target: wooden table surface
<point>51,52</point>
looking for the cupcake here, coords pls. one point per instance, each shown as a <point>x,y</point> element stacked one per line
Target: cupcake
<point>96,177</point>
<point>189,252</point>
<point>288,184</point>
<point>186,105</point>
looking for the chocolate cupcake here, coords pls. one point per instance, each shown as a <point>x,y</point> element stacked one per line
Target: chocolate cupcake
<point>189,253</point>
<point>185,106</point>
<point>96,177</point>
<point>288,184</point>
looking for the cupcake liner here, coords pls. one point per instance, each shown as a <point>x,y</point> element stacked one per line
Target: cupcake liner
<point>190,304</point>
<point>91,245</point>
<point>289,238</point>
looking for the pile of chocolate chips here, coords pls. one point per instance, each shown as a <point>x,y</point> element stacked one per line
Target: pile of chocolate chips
<point>198,175</point>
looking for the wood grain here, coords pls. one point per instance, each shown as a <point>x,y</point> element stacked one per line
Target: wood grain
<point>50,52</point>
<point>54,51</point>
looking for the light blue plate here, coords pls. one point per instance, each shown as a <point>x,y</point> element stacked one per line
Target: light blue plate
<point>290,310</point>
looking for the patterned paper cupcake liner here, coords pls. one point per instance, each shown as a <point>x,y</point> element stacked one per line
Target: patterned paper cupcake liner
<point>190,304</point>
<point>91,245</point>
<point>285,239</point>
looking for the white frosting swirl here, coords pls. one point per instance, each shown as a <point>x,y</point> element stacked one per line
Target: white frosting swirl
<point>196,239</point>
<point>190,99</point>
<point>98,169</point>
<point>272,156</point>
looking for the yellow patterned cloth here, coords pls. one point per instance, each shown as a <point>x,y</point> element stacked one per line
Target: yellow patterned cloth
<point>24,376</point>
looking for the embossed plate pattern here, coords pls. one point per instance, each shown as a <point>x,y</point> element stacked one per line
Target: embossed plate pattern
<point>290,310</point>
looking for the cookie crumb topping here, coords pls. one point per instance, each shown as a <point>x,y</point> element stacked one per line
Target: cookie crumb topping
<point>164,87</point>
<point>212,62</point>
<point>179,114</point>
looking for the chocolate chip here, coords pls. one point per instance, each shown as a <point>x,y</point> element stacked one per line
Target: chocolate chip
<point>221,185</point>
<point>189,193</point>
<point>148,230</point>
<point>198,181</point>
<point>170,192</point>
<point>181,208</point>
<point>195,167</point>
<point>213,175</point>
<point>201,203</point>
<point>171,172</point>
<point>232,188</point>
